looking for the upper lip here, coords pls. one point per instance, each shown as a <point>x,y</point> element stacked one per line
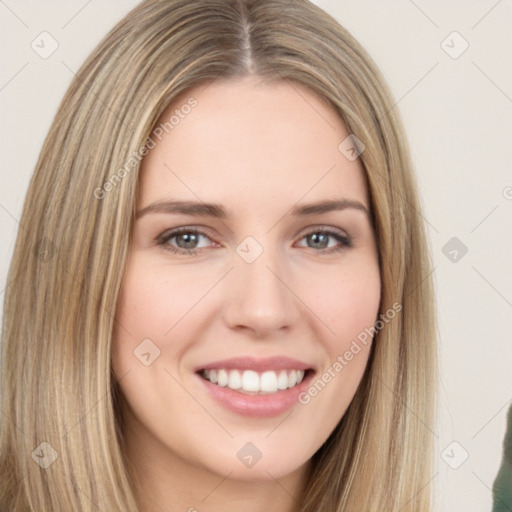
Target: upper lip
<point>256,364</point>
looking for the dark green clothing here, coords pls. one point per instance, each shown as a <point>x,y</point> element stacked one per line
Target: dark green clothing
<point>502,487</point>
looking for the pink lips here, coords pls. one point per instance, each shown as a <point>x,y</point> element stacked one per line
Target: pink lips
<point>258,365</point>
<point>256,406</point>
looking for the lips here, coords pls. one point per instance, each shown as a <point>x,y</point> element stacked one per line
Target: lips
<point>256,387</point>
<point>257,365</point>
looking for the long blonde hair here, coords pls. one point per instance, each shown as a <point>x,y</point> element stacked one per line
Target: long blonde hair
<point>57,384</point>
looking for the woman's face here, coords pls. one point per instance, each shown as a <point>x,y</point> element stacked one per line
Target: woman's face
<point>255,293</point>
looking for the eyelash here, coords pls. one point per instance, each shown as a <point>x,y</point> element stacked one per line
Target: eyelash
<point>164,238</point>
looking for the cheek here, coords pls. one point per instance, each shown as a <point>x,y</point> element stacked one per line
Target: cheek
<point>155,303</point>
<point>143,312</point>
<point>349,302</point>
<point>153,300</point>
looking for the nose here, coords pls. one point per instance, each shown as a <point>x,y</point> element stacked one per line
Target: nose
<point>259,296</point>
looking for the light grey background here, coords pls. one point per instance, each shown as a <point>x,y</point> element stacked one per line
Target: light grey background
<point>458,115</point>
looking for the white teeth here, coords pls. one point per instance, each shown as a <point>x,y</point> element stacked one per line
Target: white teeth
<point>282,380</point>
<point>251,382</point>
<point>268,382</point>
<point>235,380</point>
<point>222,378</point>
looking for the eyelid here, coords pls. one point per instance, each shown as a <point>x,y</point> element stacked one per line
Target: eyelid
<point>331,229</point>
<point>200,230</point>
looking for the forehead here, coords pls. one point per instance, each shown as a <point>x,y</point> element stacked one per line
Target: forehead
<point>248,144</point>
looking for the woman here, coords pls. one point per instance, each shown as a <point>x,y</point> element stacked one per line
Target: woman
<point>257,370</point>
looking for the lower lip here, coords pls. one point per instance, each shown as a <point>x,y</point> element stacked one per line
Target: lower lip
<point>257,406</point>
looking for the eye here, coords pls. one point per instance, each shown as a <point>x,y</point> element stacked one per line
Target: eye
<point>186,240</point>
<point>321,236</point>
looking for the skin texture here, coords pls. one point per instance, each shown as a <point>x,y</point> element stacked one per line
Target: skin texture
<point>258,150</point>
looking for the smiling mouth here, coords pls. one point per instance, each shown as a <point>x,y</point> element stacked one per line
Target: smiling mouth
<point>250,382</point>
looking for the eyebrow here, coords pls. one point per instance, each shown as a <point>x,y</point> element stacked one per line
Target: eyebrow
<point>218,211</point>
